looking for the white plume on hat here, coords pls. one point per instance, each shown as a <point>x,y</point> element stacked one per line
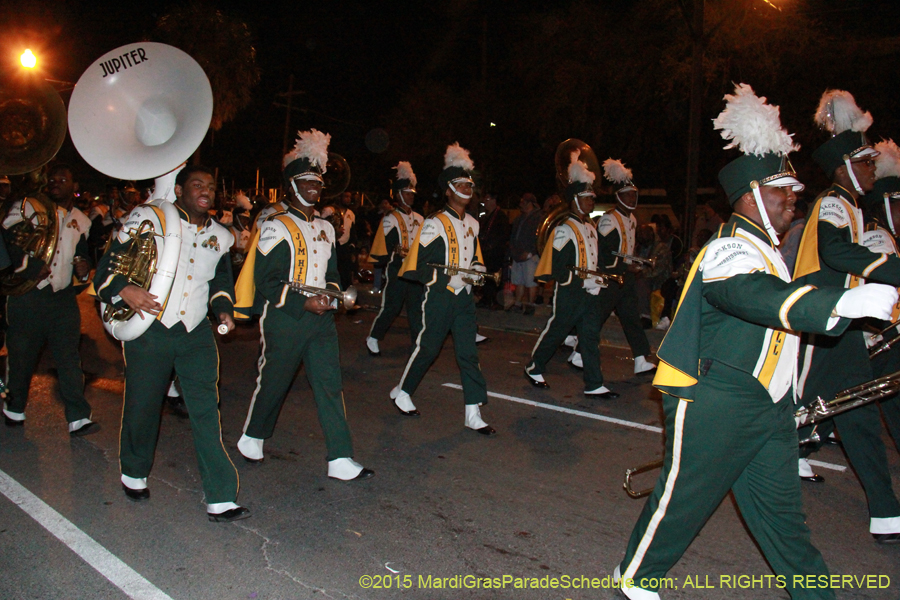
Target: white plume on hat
<point>838,112</point>
<point>578,171</point>
<point>887,164</point>
<point>615,171</point>
<point>751,125</point>
<point>457,156</point>
<point>311,144</point>
<point>405,171</point>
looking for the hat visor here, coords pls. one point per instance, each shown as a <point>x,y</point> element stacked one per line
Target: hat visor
<point>462,180</point>
<point>865,151</point>
<point>309,176</point>
<point>786,181</point>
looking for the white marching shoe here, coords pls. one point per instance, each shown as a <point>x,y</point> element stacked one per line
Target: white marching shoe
<point>642,365</point>
<point>474,420</point>
<point>250,448</point>
<point>347,469</point>
<point>404,403</point>
<point>571,341</point>
<point>575,360</point>
<point>372,346</point>
<point>480,338</point>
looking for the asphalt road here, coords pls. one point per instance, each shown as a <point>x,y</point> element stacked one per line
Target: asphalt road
<point>542,499</point>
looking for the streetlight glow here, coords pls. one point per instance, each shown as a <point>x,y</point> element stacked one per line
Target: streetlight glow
<point>28,59</point>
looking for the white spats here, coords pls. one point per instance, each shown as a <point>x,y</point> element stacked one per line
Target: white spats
<point>884,525</point>
<point>12,416</point>
<point>250,448</point>
<point>173,390</point>
<point>575,359</point>
<point>77,426</point>
<point>804,469</point>
<point>473,417</point>
<point>134,483</point>
<point>480,338</point>
<point>344,469</point>
<point>571,341</point>
<point>218,508</point>
<point>402,400</point>
<point>372,345</point>
<point>598,392</point>
<point>642,365</point>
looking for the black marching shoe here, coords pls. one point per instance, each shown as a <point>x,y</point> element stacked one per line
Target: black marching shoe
<point>86,429</point>
<point>235,514</point>
<point>364,474</point>
<point>12,422</point>
<point>136,495</point>
<point>887,538</point>
<point>602,392</point>
<point>538,383</point>
<point>486,430</point>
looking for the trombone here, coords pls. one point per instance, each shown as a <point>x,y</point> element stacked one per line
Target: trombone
<point>474,277</point>
<point>602,278</point>
<point>649,262</point>
<point>347,297</point>
<point>884,345</point>
<point>807,415</point>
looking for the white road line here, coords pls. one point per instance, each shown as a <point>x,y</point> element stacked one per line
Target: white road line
<point>614,421</point>
<point>101,559</point>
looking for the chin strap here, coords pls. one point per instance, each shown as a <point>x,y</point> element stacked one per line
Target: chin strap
<point>623,203</point>
<point>887,212</point>
<point>299,196</point>
<point>457,192</point>
<point>850,172</point>
<point>762,212</point>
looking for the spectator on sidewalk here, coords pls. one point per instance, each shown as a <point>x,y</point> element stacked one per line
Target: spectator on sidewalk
<point>523,250</point>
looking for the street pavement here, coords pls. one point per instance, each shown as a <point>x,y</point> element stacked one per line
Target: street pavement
<point>538,503</point>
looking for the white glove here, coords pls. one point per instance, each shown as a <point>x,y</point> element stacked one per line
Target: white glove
<point>479,268</point>
<point>868,300</point>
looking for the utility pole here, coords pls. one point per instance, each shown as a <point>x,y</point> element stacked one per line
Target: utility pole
<point>289,96</point>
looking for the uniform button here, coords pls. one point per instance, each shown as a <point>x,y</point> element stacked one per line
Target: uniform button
<point>190,276</point>
<point>316,265</point>
<point>185,295</point>
<point>195,244</point>
<point>182,312</point>
<point>315,251</point>
<point>192,260</point>
<point>315,278</point>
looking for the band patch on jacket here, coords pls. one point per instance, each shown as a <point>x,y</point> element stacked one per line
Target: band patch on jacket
<point>212,243</point>
<point>726,257</point>
<point>834,211</point>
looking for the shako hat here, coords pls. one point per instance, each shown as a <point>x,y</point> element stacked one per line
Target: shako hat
<point>309,157</point>
<point>581,178</point>
<point>839,115</point>
<point>458,167</point>
<point>887,180</point>
<point>754,127</point>
<point>621,178</point>
<point>405,181</point>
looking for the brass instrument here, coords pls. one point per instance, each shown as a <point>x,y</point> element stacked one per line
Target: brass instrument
<point>848,399</point>
<point>650,262</point>
<point>477,277</point>
<point>629,473</point>
<point>336,176</point>
<point>808,415</point>
<point>336,218</point>
<point>347,298</point>
<point>137,264</point>
<point>602,278</point>
<point>554,219</point>
<point>37,236</point>
<point>884,345</point>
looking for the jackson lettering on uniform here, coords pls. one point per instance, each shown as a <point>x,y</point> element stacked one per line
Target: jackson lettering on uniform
<point>123,61</point>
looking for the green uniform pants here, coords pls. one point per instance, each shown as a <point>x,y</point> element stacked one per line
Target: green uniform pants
<point>623,299</point>
<point>149,361</point>
<point>287,342</point>
<point>37,318</point>
<point>396,292</point>
<point>833,370</point>
<point>754,454</point>
<point>445,312</point>
<point>884,364</point>
<point>572,307</point>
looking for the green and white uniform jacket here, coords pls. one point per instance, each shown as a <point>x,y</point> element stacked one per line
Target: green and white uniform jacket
<point>574,243</point>
<point>739,307</point>
<point>617,234</point>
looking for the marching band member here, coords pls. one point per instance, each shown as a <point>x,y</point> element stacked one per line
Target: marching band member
<point>398,230</point>
<point>296,246</point>
<point>831,253</point>
<point>48,313</point>
<point>574,243</point>
<point>731,354</point>
<point>180,339</point>
<point>450,238</point>
<point>881,208</point>
<point>269,210</point>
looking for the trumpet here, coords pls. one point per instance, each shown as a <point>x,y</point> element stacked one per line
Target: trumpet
<point>649,262</point>
<point>884,345</point>
<point>807,415</point>
<point>475,277</point>
<point>602,278</point>
<point>347,298</point>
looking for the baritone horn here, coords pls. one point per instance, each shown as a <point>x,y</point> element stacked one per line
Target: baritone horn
<point>649,262</point>
<point>32,129</point>
<point>347,298</point>
<point>884,345</point>
<point>601,278</point>
<point>139,112</point>
<point>471,276</point>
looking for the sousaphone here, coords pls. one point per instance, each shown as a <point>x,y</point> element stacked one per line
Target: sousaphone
<point>139,112</point>
<point>32,129</point>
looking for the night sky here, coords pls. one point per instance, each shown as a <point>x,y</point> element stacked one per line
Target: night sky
<point>358,62</point>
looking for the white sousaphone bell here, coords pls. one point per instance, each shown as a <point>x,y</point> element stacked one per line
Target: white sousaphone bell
<point>139,112</point>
